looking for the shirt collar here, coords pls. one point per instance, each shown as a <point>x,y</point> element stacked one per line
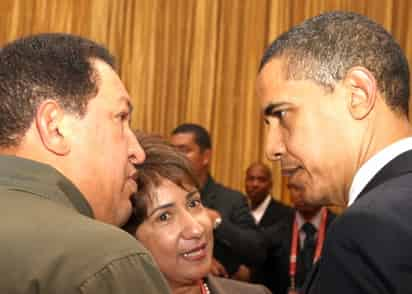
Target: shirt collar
<point>259,211</point>
<point>42,180</point>
<point>315,221</point>
<point>372,166</point>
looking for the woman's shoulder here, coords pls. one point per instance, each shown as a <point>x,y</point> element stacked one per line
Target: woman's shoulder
<point>221,286</point>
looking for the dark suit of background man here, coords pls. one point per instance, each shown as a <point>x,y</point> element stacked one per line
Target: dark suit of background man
<point>258,185</point>
<point>335,95</point>
<point>265,209</point>
<point>237,240</point>
<point>66,169</point>
<point>309,220</point>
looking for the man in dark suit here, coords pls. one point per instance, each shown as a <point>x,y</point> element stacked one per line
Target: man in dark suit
<point>258,185</point>
<point>335,95</point>
<point>265,209</point>
<point>312,223</point>
<point>237,240</point>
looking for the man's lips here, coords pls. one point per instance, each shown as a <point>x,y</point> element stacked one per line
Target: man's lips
<point>290,171</point>
<point>131,180</point>
<point>132,184</point>
<point>254,192</point>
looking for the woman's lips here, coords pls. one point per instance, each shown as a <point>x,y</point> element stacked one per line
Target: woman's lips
<point>196,253</point>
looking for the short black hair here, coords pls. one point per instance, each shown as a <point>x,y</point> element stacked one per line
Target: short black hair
<point>325,47</point>
<point>202,137</point>
<point>46,66</point>
<point>264,167</point>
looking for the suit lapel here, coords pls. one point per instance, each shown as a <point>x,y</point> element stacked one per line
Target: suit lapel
<point>402,164</point>
<point>310,282</point>
<point>267,215</point>
<point>213,285</point>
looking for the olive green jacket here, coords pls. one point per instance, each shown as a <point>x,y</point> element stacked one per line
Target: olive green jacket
<point>50,243</point>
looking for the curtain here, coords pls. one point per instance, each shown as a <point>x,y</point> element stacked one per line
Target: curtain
<point>194,60</point>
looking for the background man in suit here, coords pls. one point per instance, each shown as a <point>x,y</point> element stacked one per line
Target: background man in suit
<point>258,185</point>
<point>312,223</point>
<point>335,95</point>
<point>237,240</point>
<point>66,172</point>
<point>265,210</point>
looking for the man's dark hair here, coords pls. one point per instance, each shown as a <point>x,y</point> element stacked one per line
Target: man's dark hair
<point>202,138</point>
<point>325,47</point>
<point>264,167</point>
<point>162,162</point>
<point>45,66</point>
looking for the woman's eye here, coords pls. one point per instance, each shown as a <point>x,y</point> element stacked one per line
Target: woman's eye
<point>164,217</point>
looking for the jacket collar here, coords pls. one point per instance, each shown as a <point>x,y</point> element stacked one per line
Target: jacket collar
<point>209,188</point>
<point>42,180</point>
<point>402,164</point>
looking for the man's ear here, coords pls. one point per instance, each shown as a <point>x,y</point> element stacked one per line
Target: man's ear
<point>207,156</point>
<point>49,123</point>
<point>362,88</point>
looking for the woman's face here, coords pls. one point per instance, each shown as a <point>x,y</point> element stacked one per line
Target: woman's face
<point>178,233</point>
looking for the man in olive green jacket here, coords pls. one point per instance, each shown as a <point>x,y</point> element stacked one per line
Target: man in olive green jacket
<point>66,172</point>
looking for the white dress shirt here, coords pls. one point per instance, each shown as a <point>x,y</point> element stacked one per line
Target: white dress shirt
<point>371,167</point>
<point>259,211</point>
<point>315,221</point>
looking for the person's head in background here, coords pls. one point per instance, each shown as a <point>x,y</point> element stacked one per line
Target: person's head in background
<point>307,211</point>
<point>194,141</point>
<point>258,183</point>
<point>169,219</point>
<point>334,92</point>
<point>63,104</point>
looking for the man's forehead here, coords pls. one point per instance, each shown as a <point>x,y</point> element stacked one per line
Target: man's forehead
<point>109,79</point>
<point>183,138</point>
<point>273,70</point>
<point>271,82</point>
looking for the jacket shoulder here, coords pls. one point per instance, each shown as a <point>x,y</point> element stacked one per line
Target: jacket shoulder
<point>45,238</point>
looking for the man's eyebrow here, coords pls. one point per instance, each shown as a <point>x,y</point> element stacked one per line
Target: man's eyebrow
<point>130,106</point>
<point>271,107</point>
<point>127,101</point>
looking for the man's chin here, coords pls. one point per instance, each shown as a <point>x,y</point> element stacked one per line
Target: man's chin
<point>123,216</point>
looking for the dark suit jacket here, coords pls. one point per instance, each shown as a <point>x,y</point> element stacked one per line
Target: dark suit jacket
<point>275,271</point>
<point>227,286</point>
<point>237,239</point>
<point>274,213</point>
<point>369,248</point>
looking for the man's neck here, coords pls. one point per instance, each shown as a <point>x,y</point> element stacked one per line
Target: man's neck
<point>202,178</point>
<point>255,205</point>
<point>309,215</point>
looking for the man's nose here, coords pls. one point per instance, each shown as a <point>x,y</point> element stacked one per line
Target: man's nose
<point>275,146</point>
<point>135,152</point>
